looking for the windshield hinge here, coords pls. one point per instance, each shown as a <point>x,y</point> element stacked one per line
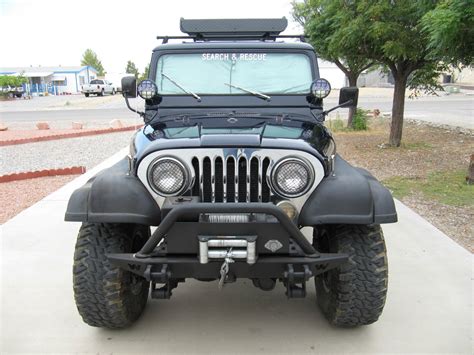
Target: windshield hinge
<point>279,120</point>
<point>185,120</point>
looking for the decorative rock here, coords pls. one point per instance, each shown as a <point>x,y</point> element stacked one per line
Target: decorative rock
<point>77,125</point>
<point>3,127</point>
<point>115,124</point>
<point>42,126</point>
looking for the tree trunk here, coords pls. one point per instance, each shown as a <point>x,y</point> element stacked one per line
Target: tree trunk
<point>398,108</point>
<point>470,172</point>
<point>350,117</point>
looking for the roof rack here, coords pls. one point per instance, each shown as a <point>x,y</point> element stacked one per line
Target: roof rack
<point>233,29</point>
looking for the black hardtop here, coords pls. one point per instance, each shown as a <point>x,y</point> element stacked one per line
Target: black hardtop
<point>233,35</point>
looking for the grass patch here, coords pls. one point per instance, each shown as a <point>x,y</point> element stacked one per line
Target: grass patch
<point>409,146</point>
<point>400,186</point>
<point>417,145</point>
<point>448,187</point>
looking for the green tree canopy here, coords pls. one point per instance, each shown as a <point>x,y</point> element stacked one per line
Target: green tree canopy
<point>326,23</point>
<point>90,58</point>
<point>450,27</point>
<point>12,80</point>
<point>391,33</point>
<point>131,69</point>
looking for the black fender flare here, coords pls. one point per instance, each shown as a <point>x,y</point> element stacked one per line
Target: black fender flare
<point>113,196</point>
<point>348,196</point>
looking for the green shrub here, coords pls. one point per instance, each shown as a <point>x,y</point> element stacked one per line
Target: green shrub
<point>336,124</point>
<point>360,120</point>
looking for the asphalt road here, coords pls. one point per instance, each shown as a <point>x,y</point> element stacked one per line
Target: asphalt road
<point>454,110</point>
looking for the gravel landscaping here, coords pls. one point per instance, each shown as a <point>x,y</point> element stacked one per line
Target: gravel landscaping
<point>14,200</point>
<point>83,151</point>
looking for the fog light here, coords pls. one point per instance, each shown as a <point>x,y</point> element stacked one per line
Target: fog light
<point>147,89</point>
<point>320,88</point>
<point>289,209</point>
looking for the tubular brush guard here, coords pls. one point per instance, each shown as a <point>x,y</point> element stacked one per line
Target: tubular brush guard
<point>152,263</point>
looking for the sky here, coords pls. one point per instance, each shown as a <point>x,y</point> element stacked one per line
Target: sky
<point>57,32</point>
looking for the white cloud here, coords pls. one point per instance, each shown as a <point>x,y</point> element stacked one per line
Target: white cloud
<point>53,32</point>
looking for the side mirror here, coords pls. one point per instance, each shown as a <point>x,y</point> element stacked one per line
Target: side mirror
<point>129,86</point>
<point>348,96</point>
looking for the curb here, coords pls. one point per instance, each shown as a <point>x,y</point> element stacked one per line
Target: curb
<point>67,135</point>
<point>75,170</point>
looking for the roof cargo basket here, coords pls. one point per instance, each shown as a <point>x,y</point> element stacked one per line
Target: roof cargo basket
<point>258,27</point>
<point>232,29</point>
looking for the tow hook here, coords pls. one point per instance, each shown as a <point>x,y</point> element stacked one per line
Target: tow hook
<point>225,269</point>
<point>162,277</point>
<point>292,278</point>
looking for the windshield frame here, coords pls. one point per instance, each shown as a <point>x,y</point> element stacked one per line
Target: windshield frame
<point>159,53</point>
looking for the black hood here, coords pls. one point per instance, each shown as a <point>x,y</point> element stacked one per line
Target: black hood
<point>253,132</point>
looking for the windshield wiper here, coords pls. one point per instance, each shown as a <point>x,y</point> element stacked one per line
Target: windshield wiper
<point>254,93</point>
<point>197,97</point>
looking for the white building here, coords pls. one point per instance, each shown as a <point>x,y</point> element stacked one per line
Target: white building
<point>332,73</point>
<point>53,80</point>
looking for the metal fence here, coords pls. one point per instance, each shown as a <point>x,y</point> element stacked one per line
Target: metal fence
<point>41,88</point>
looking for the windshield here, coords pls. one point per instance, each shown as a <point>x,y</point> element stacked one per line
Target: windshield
<point>97,82</point>
<point>230,73</point>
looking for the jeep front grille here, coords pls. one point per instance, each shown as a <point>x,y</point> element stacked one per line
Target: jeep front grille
<point>231,179</point>
<point>230,174</point>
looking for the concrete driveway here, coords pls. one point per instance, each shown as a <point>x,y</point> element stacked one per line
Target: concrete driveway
<point>428,310</point>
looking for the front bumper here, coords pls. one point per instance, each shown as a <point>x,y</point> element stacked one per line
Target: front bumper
<point>154,263</point>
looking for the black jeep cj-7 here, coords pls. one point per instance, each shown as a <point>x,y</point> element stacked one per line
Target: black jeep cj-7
<point>233,160</point>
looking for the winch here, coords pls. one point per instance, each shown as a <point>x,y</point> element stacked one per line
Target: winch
<point>217,247</point>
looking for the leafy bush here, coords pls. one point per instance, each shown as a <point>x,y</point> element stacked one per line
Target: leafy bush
<point>359,122</point>
<point>10,80</point>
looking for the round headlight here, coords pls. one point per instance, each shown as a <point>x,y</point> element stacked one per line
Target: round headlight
<point>147,89</point>
<point>320,88</point>
<point>292,177</point>
<point>167,176</point>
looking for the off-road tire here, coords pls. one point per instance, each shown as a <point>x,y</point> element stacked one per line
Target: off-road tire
<point>354,293</point>
<point>86,95</point>
<point>105,295</point>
